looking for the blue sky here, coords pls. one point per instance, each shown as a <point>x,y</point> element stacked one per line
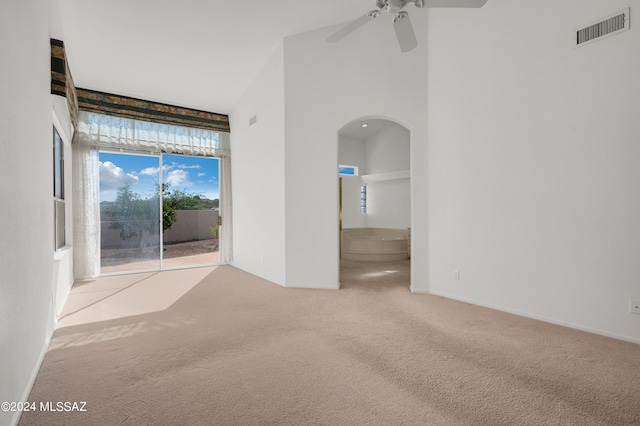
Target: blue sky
<point>194,175</point>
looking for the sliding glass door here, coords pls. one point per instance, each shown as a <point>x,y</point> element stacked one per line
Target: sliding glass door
<point>158,212</point>
<point>191,201</point>
<point>129,213</point>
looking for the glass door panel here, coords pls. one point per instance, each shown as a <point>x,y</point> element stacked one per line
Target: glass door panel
<point>130,232</point>
<point>190,204</point>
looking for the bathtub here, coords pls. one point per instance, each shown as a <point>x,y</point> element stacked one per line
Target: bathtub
<point>372,244</point>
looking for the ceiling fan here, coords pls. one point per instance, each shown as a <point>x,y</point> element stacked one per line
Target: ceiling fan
<point>401,22</point>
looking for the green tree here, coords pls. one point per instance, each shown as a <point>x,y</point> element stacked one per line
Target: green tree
<point>181,200</point>
<point>184,201</point>
<point>133,215</point>
<point>168,209</point>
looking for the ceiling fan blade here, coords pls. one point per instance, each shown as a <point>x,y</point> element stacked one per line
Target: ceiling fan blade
<point>450,3</point>
<point>352,26</point>
<point>404,32</point>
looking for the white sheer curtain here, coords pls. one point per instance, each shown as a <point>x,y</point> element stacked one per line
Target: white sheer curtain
<point>124,133</point>
<point>226,206</point>
<point>86,210</point>
<point>97,130</point>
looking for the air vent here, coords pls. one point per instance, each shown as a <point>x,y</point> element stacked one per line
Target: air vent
<point>606,27</point>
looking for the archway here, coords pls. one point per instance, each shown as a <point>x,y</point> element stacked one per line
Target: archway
<point>375,202</point>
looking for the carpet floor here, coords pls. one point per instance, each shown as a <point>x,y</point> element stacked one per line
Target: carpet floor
<point>238,350</point>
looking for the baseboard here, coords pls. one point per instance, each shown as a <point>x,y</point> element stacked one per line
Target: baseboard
<point>532,316</point>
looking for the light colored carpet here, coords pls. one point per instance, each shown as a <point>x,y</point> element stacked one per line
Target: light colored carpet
<point>237,350</point>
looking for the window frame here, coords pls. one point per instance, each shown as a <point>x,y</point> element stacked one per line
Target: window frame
<point>59,204</point>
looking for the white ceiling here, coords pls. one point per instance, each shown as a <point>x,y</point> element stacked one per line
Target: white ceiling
<point>201,54</point>
<point>356,131</point>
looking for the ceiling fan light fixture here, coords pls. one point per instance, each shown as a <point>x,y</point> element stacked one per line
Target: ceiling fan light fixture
<point>401,23</point>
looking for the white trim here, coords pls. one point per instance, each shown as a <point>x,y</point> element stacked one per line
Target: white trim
<point>62,252</point>
<point>59,105</point>
<point>534,316</point>
<point>378,177</point>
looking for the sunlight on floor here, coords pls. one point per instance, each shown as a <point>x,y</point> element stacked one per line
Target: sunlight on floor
<point>176,262</point>
<point>113,333</point>
<point>120,296</point>
<point>376,274</point>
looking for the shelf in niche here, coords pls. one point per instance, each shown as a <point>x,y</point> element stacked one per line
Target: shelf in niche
<point>378,177</point>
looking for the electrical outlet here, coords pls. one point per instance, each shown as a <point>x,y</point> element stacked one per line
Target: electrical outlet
<point>456,275</point>
<point>634,307</point>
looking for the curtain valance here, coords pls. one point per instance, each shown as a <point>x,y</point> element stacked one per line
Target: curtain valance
<point>124,106</point>
<point>107,131</point>
<point>61,80</point>
<point>139,109</point>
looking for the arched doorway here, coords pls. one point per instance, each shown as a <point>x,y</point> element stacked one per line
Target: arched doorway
<point>375,202</point>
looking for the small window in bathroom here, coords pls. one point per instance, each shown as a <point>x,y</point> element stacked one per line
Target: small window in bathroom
<point>363,199</point>
<point>347,170</point>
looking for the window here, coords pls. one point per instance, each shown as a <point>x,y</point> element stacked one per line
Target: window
<point>363,199</point>
<point>347,170</point>
<point>58,190</point>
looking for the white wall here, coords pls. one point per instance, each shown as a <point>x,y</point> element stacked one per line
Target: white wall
<point>389,204</point>
<point>388,150</point>
<point>327,86</point>
<point>389,201</point>
<point>258,175</point>
<point>534,162</point>
<point>352,152</point>
<point>27,314</point>
<point>524,159</point>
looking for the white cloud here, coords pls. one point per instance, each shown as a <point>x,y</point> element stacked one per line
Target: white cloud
<point>195,166</point>
<point>178,178</point>
<point>201,174</point>
<point>113,177</point>
<point>150,171</point>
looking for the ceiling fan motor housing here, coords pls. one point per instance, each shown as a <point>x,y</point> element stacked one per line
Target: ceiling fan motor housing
<point>395,6</point>
<point>401,22</point>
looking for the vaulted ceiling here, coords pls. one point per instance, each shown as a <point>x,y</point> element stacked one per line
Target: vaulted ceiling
<point>200,54</point>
